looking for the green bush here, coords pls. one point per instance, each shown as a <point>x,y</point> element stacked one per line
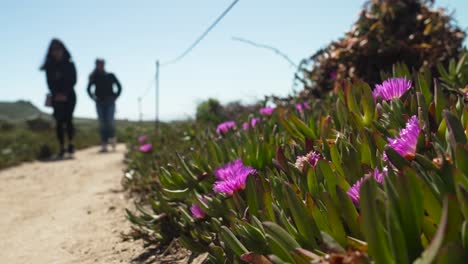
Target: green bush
<point>210,111</point>
<point>6,125</point>
<point>39,124</point>
<point>36,140</point>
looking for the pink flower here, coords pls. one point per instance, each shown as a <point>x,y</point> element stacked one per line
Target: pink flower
<point>266,110</point>
<point>197,211</point>
<point>146,147</point>
<point>353,192</point>
<point>405,143</point>
<point>379,177</point>
<point>232,177</point>
<point>312,158</point>
<point>253,122</point>
<point>224,127</point>
<point>301,106</point>
<point>142,139</point>
<point>391,88</point>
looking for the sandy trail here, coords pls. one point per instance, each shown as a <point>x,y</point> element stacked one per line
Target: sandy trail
<point>65,212</point>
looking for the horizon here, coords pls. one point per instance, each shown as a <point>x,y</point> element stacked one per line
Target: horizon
<point>131,39</point>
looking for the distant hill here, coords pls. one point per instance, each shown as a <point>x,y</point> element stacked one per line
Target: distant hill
<point>20,111</point>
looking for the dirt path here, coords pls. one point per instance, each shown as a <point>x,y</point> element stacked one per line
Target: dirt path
<point>65,212</point>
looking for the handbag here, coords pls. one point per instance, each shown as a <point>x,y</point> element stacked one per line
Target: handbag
<point>48,100</point>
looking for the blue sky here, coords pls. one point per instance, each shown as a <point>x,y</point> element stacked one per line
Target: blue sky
<point>132,35</point>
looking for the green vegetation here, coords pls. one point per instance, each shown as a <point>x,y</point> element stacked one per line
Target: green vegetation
<point>212,112</point>
<point>407,207</point>
<point>28,134</point>
<point>19,111</point>
<point>20,143</point>
<point>366,165</point>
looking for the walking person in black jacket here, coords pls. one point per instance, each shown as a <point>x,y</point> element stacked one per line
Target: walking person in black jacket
<point>61,78</point>
<point>105,97</point>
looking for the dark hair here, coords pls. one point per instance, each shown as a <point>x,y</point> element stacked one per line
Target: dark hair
<point>48,59</point>
<point>94,72</point>
<point>100,60</point>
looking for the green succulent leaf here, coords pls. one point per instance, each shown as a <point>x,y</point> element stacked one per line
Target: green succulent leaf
<point>372,226</point>
<point>456,131</point>
<point>232,241</point>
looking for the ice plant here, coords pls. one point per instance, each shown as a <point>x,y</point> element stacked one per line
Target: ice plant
<point>231,177</point>
<point>300,107</point>
<point>380,176</point>
<point>224,127</point>
<point>353,192</point>
<point>312,158</point>
<point>142,139</point>
<point>145,147</point>
<point>266,110</point>
<point>253,123</point>
<point>197,211</point>
<point>391,88</point>
<point>405,143</point>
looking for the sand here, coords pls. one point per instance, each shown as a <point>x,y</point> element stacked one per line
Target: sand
<point>69,211</point>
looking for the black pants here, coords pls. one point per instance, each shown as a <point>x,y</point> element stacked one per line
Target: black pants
<point>63,114</point>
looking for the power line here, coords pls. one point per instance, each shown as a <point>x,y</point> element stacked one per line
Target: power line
<point>264,46</point>
<point>187,51</point>
<point>150,85</point>
<point>180,57</point>
<point>199,39</point>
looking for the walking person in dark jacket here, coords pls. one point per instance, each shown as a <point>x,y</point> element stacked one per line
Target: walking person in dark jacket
<point>61,78</point>
<point>105,97</point>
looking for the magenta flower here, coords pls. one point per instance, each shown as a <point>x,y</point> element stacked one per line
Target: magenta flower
<point>353,192</point>
<point>301,106</point>
<point>380,176</point>
<point>197,211</point>
<point>142,139</point>
<point>224,127</point>
<point>231,177</point>
<point>266,110</point>
<point>253,123</point>
<point>391,88</point>
<point>145,147</point>
<point>311,158</point>
<point>405,143</point>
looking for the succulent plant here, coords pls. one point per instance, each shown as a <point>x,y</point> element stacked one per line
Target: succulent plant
<point>412,204</point>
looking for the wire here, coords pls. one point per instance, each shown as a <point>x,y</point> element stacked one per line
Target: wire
<point>150,85</point>
<point>199,39</point>
<point>264,46</point>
